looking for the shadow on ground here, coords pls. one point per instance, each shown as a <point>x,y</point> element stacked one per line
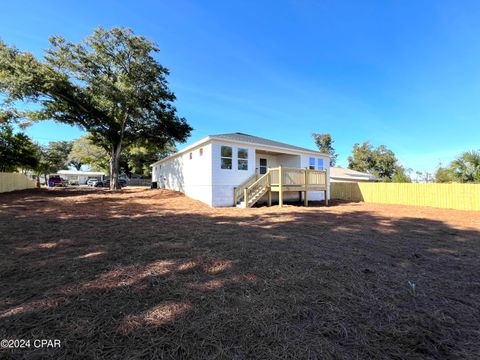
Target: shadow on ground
<point>156,275</point>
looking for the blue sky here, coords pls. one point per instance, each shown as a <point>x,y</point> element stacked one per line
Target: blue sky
<point>405,74</point>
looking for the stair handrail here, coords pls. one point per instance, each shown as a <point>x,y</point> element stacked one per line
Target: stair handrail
<point>253,186</point>
<point>238,190</point>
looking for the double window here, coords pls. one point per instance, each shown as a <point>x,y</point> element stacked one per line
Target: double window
<point>226,157</point>
<point>242,156</point>
<point>319,164</point>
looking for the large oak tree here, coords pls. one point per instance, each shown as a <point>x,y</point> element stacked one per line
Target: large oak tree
<point>109,84</point>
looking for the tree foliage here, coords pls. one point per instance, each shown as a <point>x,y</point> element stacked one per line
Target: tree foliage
<point>465,168</point>
<point>56,155</point>
<point>140,157</point>
<point>85,152</point>
<point>109,84</point>
<point>135,159</point>
<point>444,175</point>
<point>380,162</point>
<point>17,151</point>
<point>52,157</point>
<point>324,143</point>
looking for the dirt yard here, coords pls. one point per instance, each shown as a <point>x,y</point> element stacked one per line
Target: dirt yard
<point>153,274</point>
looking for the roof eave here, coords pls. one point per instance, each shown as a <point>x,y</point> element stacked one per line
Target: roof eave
<point>273,147</point>
<point>184,150</point>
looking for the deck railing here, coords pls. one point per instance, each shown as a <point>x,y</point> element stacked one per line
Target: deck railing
<point>297,177</point>
<point>279,180</point>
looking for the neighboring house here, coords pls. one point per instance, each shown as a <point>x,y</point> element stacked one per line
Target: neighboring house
<point>338,174</point>
<point>79,177</point>
<point>220,170</point>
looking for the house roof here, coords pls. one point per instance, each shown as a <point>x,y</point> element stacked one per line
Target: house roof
<point>256,140</point>
<point>245,139</point>
<point>349,174</point>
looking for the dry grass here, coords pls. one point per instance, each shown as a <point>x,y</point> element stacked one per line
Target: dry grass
<point>153,274</point>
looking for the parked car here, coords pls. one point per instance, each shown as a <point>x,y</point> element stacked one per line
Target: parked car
<point>56,180</point>
<point>106,183</point>
<point>93,181</point>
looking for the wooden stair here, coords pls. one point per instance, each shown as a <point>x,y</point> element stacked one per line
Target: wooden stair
<point>254,191</point>
<point>254,196</point>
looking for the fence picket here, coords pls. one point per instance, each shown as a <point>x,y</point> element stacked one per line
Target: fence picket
<point>450,196</point>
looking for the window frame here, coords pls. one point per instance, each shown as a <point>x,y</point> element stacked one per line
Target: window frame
<point>242,159</point>
<point>320,160</point>
<point>226,157</point>
<point>310,166</point>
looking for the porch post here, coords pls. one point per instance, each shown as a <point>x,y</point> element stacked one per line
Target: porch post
<point>269,188</point>
<point>245,197</point>
<point>280,187</point>
<point>306,187</point>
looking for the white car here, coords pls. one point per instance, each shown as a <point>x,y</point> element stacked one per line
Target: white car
<point>92,181</point>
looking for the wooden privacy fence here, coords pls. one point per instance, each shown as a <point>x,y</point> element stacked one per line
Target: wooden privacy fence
<point>449,196</point>
<point>15,181</point>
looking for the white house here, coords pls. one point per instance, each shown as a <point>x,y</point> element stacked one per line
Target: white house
<point>221,169</point>
<point>80,177</point>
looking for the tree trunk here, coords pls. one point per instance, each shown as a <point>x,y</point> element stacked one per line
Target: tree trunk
<point>114,167</point>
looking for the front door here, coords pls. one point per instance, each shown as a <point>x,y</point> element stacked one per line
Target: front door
<point>263,166</point>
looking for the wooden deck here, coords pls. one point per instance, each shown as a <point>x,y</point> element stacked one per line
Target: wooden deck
<point>280,180</point>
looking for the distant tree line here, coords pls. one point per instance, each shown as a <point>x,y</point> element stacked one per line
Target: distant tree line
<point>19,153</point>
<point>379,161</point>
<point>383,164</point>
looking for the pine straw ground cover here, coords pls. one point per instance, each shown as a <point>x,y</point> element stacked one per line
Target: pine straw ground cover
<point>152,274</point>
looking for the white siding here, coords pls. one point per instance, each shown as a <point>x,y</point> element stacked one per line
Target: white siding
<point>271,160</point>
<point>190,176</point>
<point>224,180</point>
<point>293,161</point>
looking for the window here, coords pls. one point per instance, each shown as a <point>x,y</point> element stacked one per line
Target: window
<point>312,164</point>
<point>201,151</point>
<point>191,156</point>
<point>226,157</point>
<point>263,166</point>
<point>320,164</point>
<point>242,155</point>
